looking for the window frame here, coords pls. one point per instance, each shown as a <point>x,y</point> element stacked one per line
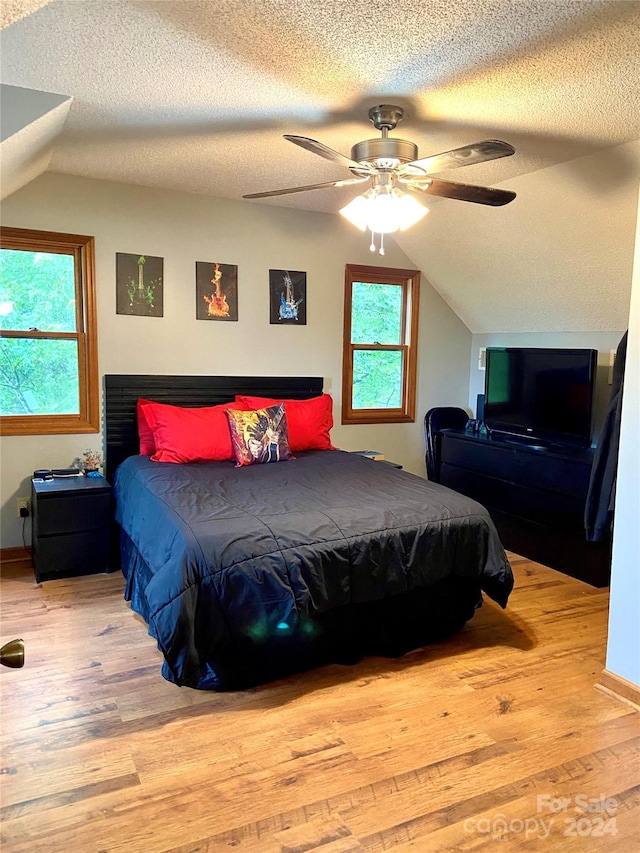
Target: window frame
<point>409,280</point>
<point>82,249</point>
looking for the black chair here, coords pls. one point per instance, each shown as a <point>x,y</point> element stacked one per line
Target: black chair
<point>437,419</point>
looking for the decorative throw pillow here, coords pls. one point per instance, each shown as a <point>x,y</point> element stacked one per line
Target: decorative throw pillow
<point>259,436</point>
<point>309,421</point>
<point>184,434</point>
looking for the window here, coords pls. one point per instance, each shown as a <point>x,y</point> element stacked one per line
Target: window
<point>380,345</point>
<point>48,343</point>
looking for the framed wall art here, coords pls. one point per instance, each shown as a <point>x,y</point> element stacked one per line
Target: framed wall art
<point>216,291</point>
<point>287,297</point>
<point>139,284</point>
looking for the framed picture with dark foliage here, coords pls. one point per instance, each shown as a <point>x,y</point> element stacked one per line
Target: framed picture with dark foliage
<point>288,297</point>
<point>139,284</point>
<point>216,291</point>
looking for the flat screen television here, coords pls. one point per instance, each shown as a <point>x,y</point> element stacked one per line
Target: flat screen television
<point>541,394</point>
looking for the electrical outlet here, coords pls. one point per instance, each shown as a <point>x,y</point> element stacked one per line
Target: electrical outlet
<point>21,505</point>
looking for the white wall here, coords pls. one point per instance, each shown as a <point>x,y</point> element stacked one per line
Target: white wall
<point>184,229</point>
<point>21,107</point>
<point>31,120</point>
<point>623,647</point>
<point>604,342</point>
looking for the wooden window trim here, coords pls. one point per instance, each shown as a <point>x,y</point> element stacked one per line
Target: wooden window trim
<point>409,280</point>
<point>83,250</point>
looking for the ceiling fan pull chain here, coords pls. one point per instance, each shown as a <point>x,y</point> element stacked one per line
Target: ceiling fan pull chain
<point>372,247</point>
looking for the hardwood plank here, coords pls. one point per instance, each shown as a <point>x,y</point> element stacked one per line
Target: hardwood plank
<point>101,755</point>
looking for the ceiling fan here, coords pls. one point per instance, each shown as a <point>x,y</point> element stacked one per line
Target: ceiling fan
<point>391,166</point>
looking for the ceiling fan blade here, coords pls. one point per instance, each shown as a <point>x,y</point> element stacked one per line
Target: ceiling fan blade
<point>328,153</point>
<point>463,192</point>
<point>347,182</point>
<point>468,155</point>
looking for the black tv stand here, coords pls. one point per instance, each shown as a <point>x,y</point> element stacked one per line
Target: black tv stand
<point>528,444</point>
<point>536,495</point>
<point>535,443</point>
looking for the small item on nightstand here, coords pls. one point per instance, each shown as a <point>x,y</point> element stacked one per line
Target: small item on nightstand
<point>92,472</point>
<point>90,460</point>
<point>43,474</point>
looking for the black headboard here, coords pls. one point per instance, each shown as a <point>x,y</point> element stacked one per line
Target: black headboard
<point>121,393</point>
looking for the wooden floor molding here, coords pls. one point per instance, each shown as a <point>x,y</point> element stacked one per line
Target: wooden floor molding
<point>14,555</point>
<point>492,740</point>
<point>619,688</point>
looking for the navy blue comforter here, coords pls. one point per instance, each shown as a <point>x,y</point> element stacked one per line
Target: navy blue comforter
<point>227,551</point>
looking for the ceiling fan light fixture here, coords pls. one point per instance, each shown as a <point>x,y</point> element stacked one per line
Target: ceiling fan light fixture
<point>409,210</point>
<point>384,210</point>
<point>356,211</point>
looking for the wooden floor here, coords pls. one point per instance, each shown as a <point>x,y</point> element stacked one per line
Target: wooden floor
<point>493,740</point>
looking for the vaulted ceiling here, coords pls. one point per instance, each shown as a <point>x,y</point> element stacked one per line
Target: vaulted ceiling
<point>195,95</point>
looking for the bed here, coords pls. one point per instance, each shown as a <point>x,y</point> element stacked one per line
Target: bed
<point>247,574</point>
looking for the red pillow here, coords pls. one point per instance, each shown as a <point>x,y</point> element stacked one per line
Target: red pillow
<point>309,420</point>
<point>145,433</point>
<point>190,434</point>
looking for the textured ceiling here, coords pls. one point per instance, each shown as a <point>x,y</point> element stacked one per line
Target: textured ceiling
<point>195,95</point>
<point>13,10</point>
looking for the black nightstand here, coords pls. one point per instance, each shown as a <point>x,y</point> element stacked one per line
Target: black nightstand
<point>71,526</point>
